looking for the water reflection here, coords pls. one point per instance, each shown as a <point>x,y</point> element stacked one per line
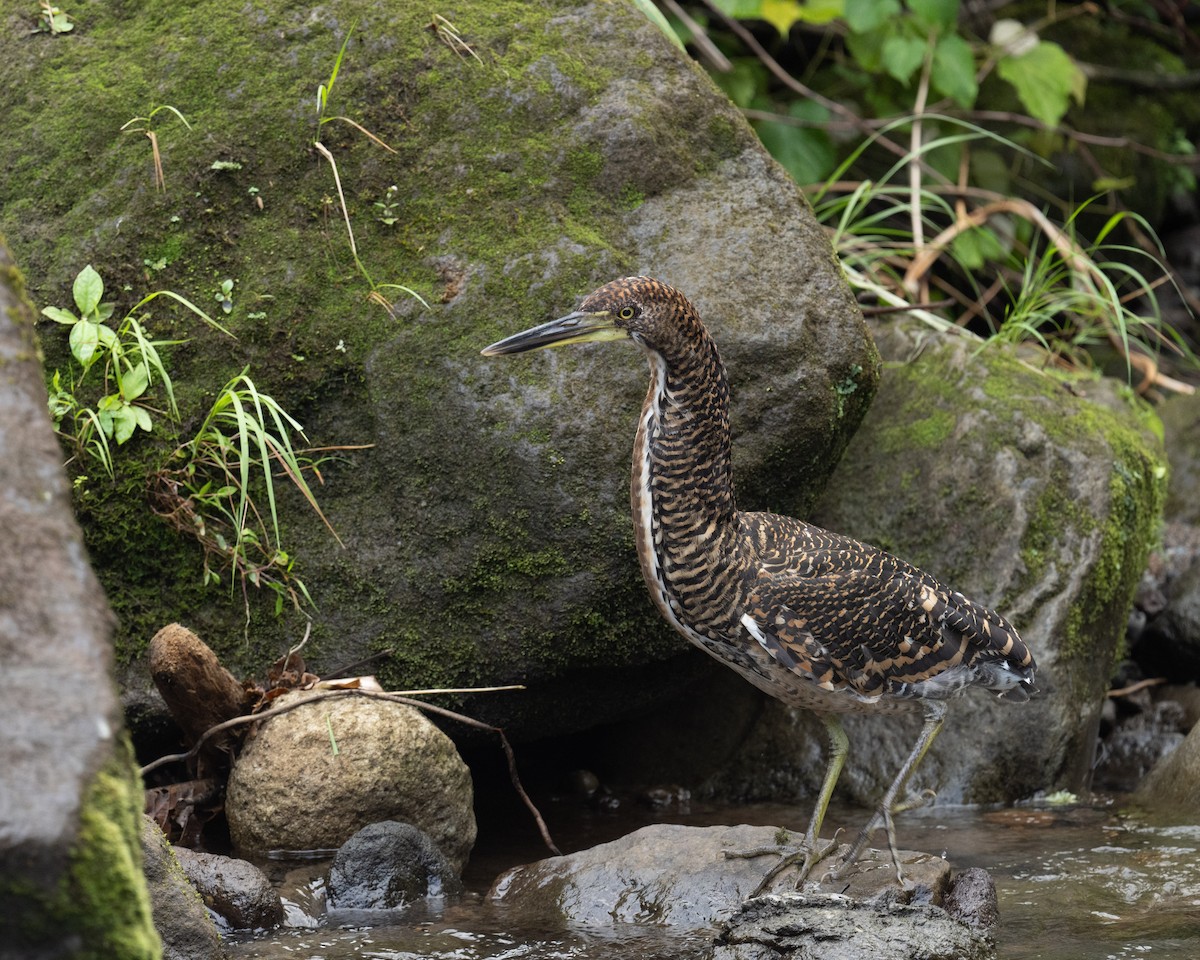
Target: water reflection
<point>1074,883</point>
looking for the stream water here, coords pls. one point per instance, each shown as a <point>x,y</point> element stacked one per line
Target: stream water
<point>1074,883</point>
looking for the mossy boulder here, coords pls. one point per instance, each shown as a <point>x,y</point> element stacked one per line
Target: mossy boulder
<point>1038,497</point>
<point>483,509</point>
<point>70,799</point>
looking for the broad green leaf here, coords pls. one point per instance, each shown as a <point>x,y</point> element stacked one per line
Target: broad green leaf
<point>975,247</point>
<point>1044,79</point>
<point>88,290</point>
<point>864,15</point>
<point>134,383</point>
<point>953,71</point>
<point>104,311</point>
<point>782,14</point>
<point>142,416</point>
<point>124,422</point>
<point>742,83</point>
<point>59,315</point>
<point>820,11</point>
<point>867,49</point>
<point>935,13</point>
<point>84,341</point>
<point>902,55</point>
<point>805,152</point>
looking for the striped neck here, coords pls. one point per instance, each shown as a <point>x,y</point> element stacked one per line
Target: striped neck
<point>682,489</point>
<point>686,442</point>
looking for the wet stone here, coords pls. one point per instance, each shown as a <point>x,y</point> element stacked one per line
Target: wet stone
<point>236,891</point>
<point>694,877</point>
<point>388,865</point>
<point>835,927</point>
<point>186,928</point>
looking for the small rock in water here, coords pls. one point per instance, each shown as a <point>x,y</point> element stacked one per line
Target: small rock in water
<point>235,890</point>
<point>972,899</point>
<point>389,865</point>
<point>834,927</point>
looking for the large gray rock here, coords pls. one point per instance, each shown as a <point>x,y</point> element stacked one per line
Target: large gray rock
<point>1023,495</point>
<point>187,930</point>
<point>698,879</point>
<point>290,789</point>
<point>689,877</point>
<point>486,523</point>
<point>70,799</point>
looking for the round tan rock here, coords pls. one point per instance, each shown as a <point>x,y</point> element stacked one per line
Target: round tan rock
<point>291,790</point>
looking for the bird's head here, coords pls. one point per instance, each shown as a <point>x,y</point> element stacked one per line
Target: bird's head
<point>646,311</point>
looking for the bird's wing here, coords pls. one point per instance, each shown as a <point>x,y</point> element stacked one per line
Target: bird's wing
<point>877,628</point>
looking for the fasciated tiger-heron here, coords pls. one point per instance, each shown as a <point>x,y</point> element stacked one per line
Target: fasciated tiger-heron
<point>813,618</point>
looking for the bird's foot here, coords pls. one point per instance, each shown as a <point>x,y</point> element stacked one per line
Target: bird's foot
<point>883,817</point>
<point>808,856</point>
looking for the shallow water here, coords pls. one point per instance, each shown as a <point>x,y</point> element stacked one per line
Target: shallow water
<point>1074,883</point>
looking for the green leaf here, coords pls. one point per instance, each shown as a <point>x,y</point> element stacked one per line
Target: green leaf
<point>867,49</point>
<point>953,71</point>
<point>88,290</point>
<point>977,246</point>
<point>864,15</point>
<point>902,55</point>
<point>142,416</point>
<point>1044,79</point>
<point>124,422</point>
<point>782,14</point>
<point>59,315</point>
<point>818,11</point>
<point>805,152</point>
<point>935,13</point>
<point>134,382</point>
<point>742,83</point>
<point>84,341</point>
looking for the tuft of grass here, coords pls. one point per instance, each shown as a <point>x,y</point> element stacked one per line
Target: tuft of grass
<point>1009,270</point>
<point>229,468</point>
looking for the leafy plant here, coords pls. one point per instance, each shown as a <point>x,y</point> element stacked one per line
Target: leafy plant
<point>224,295</point>
<point>130,365</point>
<point>53,20</point>
<point>923,200</point>
<point>146,127</point>
<point>388,213</point>
<point>1051,286</point>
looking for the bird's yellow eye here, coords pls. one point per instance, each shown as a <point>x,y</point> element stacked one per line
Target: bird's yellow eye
<point>626,313</point>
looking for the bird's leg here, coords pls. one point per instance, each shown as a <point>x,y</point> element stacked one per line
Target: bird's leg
<point>812,852</point>
<point>935,713</point>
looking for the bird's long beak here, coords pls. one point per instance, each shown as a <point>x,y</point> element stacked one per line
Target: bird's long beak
<point>577,327</point>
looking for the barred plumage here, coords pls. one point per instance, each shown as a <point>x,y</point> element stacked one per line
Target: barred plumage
<point>811,617</point>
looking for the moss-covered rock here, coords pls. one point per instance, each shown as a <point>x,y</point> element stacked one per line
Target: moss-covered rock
<point>485,518</point>
<point>70,797</point>
<point>1037,497</point>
